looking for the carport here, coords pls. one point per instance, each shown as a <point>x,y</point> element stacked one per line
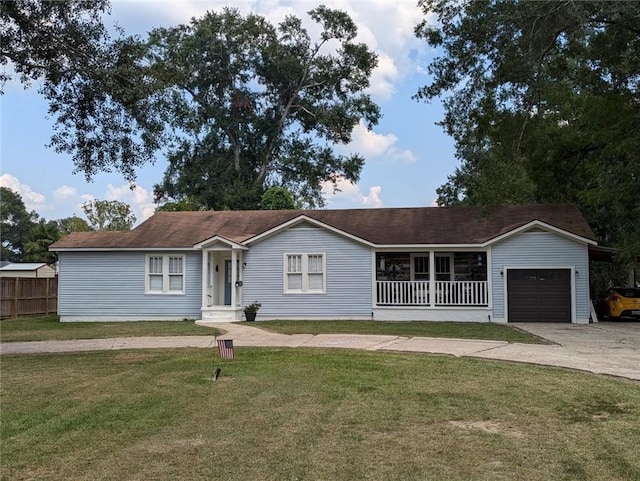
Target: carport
<point>607,255</point>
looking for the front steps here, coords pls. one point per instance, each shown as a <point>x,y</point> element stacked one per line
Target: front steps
<point>221,314</point>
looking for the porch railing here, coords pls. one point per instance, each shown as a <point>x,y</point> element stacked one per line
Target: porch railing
<point>403,293</point>
<point>448,293</point>
<point>462,293</point>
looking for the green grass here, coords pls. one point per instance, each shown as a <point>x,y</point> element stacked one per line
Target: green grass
<point>50,328</point>
<point>457,330</point>
<point>287,414</point>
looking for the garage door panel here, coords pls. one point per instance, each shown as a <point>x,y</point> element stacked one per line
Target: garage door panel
<point>539,295</point>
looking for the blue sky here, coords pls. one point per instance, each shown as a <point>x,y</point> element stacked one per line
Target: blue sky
<point>407,155</point>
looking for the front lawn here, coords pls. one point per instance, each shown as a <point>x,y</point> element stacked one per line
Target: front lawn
<point>307,414</point>
<point>454,330</point>
<point>50,328</point>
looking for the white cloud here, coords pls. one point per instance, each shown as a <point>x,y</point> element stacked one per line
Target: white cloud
<point>32,200</point>
<point>373,198</point>
<point>69,199</point>
<point>139,198</point>
<point>349,195</point>
<point>384,77</point>
<point>403,155</point>
<point>371,144</point>
<point>65,192</point>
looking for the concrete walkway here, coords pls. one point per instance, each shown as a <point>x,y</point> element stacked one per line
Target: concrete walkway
<point>612,348</point>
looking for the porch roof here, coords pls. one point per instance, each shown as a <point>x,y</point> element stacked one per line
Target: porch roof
<point>469,225</point>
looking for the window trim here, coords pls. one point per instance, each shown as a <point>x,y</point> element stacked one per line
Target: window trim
<point>452,268</point>
<point>166,275</point>
<point>305,273</point>
<point>414,256</point>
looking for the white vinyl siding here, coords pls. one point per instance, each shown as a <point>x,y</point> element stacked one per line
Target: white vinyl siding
<point>304,273</point>
<point>165,274</point>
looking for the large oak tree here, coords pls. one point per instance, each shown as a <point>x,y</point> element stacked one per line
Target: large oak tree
<point>248,105</point>
<point>234,103</point>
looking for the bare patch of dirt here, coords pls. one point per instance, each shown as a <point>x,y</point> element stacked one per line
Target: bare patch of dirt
<point>164,446</point>
<point>490,427</point>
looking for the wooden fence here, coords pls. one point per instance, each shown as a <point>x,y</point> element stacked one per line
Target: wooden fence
<point>23,296</point>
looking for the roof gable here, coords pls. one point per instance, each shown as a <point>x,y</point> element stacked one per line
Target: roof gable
<point>443,226</point>
<point>218,242</point>
<point>300,220</point>
<point>537,226</point>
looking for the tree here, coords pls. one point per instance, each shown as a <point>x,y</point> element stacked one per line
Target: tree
<point>235,103</point>
<point>42,235</point>
<point>73,224</point>
<point>15,225</point>
<point>182,205</point>
<point>277,198</point>
<point>542,101</point>
<point>87,77</point>
<point>111,215</point>
<point>50,40</point>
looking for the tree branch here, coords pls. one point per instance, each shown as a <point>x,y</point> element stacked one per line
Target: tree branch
<point>294,95</point>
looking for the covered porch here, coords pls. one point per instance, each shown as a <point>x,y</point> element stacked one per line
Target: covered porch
<point>222,266</point>
<point>431,279</point>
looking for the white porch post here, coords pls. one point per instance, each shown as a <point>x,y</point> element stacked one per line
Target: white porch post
<point>205,263</point>
<point>489,279</point>
<point>374,284</point>
<point>234,276</point>
<point>240,272</point>
<point>432,278</point>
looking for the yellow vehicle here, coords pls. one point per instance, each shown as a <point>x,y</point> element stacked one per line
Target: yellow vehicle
<point>623,302</point>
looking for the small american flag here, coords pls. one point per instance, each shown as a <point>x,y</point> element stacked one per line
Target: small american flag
<point>225,348</point>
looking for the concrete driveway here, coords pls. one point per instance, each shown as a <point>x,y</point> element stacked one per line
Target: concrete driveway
<point>608,335</point>
<point>605,348</point>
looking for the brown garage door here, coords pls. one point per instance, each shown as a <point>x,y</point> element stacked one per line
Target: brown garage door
<point>539,295</point>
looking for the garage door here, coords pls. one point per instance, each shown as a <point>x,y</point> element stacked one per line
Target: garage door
<point>539,295</point>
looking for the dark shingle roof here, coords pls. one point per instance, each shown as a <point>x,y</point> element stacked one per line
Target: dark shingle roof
<point>393,226</point>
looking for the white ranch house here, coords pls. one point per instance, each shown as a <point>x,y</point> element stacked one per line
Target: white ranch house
<point>482,264</point>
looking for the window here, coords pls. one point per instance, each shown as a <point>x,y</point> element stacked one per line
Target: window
<point>393,266</point>
<point>165,275</point>
<point>420,267</point>
<point>304,273</point>
<point>443,267</point>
